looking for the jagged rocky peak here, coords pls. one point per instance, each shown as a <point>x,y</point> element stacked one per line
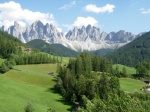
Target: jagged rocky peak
<point>2,28</point>
<point>37,23</point>
<point>103,35</point>
<point>17,30</point>
<point>120,36</point>
<point>84,33</point>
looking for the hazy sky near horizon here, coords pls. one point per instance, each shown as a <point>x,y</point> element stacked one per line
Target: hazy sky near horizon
<point>109,15</point>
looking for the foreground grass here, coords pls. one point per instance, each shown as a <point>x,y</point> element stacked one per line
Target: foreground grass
<point>14,96</point>
<point>131,85</point>
<point>130,70</point>
<point>30,83</point>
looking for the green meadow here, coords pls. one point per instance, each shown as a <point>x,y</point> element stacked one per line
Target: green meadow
<point>131,85</point>
<point>130,70</point>
<point>30,83</point>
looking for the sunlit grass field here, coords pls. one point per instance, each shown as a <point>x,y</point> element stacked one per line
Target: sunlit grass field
<point>131,85</point>
<point>30,83</point>
<point>130,70</point>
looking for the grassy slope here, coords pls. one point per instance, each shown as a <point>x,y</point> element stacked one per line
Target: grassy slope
<point>33,74</point>
<point>131,85</point>
<point>128,84</point>
<point>130,70</point>
<point>29,83</point>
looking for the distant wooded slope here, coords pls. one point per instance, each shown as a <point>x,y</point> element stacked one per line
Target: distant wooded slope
<point>55,49</point>
<point>134,52</point>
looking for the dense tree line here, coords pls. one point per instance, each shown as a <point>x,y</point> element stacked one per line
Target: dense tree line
<point>142,69</point>
<point>132,53</point>
<point>27,58</point>
<point>34,58</point>
<point>89,80</point>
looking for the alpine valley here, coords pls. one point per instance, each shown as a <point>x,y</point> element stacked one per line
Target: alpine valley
<point>88,38</point>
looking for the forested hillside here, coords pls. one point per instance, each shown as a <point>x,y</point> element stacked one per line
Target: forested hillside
<point>133,53</point>
<point>8,44</point>
<point>16,53</point>
<point>55,49</point>
<point>103,52</point>
<point>90,82</point>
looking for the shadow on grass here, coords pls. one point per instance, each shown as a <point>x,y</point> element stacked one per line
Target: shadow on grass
<point>16,69</point>
<point>61,100</point>
<point>136,76</point>
<point>140,76</point>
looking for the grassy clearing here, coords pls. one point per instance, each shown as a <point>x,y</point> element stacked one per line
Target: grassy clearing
<point>30,83</point>
<point>65,60</point>
<point>14,96</point>
<point>130,70</point>
<point>33,74</point>
<point>131,85</point>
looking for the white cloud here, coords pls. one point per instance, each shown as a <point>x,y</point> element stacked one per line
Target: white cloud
<point>144,11</point>
<point>93,8</point>
<point>82,21</point>
<point>12,11</point>
<point>67,6</point>
<point>22,23</point>
<point>59,29</point>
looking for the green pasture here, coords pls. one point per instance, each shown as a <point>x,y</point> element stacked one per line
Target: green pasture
<point>30,83</point>
<point>130,70</point>
<point>33,74</point>
<point>131,85</point>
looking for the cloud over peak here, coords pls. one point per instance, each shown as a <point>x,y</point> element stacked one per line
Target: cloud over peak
<point>93,8</point>
<point>82,21</point>
<point>12,11</point>
<point>85,21</point>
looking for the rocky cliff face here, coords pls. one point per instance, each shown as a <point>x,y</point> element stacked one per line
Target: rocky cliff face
<point>90,38</point>
<point>85,38</point>
<point>120,37</point>
<point>84,34</point>
<point>17,31</point>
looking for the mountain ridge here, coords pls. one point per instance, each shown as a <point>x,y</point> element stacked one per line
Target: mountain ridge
<point>79,39</point>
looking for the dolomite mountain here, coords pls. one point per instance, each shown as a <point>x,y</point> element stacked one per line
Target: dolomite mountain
<point>79,39</point>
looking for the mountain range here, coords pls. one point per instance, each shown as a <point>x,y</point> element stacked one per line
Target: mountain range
<point>88,38</point>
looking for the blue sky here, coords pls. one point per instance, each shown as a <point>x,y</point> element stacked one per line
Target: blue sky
<point>109,15</point>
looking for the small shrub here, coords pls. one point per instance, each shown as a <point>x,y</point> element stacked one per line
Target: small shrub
<point>29,107</point>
